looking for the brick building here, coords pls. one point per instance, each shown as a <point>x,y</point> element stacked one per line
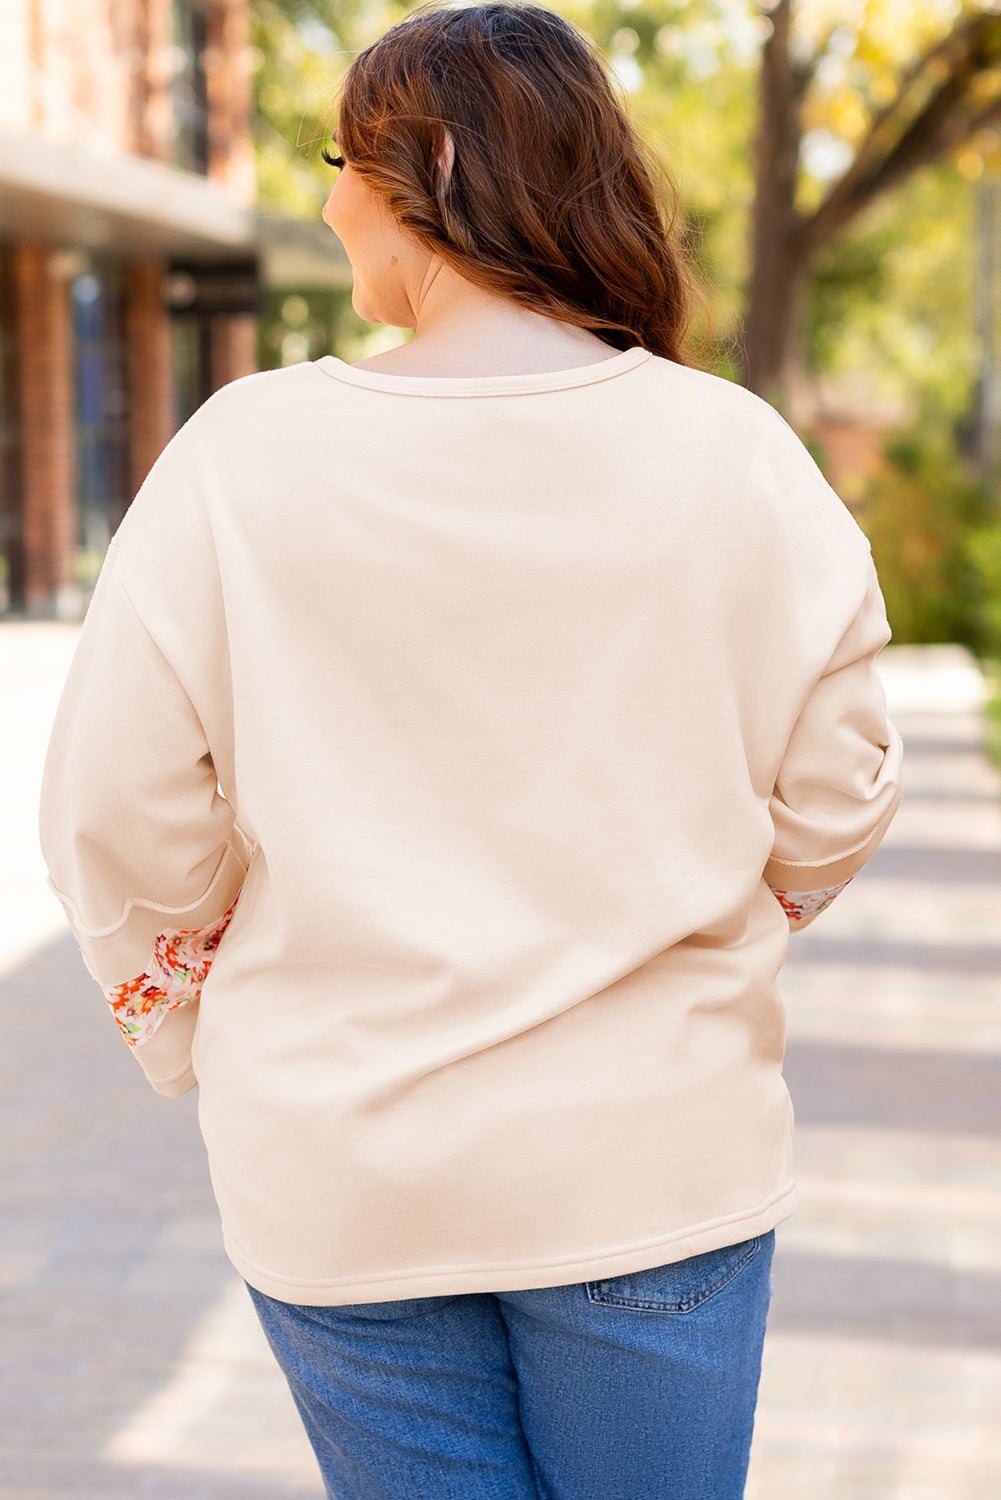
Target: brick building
<point>131,263</point>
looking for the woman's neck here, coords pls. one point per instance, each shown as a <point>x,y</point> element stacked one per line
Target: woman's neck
<point>463,330</point>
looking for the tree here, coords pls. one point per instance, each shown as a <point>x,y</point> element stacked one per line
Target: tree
<point>300,51</point>
<point>949,95</point>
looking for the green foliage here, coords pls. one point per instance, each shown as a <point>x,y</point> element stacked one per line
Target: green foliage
<point>984,550</point>
<point>893,295</point>
<point>300,50</point>
<point>992,709</point>
<point>294,326</point>
<point>926,516</point>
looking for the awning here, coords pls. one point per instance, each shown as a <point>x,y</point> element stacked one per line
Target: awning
<point>94,199</point>
<point>298,254</point>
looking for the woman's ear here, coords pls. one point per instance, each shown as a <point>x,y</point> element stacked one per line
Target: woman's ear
<point>445,159</point>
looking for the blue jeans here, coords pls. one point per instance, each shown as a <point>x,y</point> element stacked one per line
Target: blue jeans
<point>636,1387</point>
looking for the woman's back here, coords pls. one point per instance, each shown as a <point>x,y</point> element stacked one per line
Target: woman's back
<point>514,687</point>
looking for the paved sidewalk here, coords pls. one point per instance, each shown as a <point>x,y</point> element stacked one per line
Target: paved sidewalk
<point>882,1369</point>
<point>132,1365</point>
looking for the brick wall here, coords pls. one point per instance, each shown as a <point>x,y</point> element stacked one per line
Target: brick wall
<point>230,89</point>
<point>234,348</point>
<point>46,401</point>
<point>99,72</point>
<point>67,68</point>
<point>151,411</point>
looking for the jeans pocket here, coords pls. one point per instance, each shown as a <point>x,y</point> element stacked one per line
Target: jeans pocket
<point>679,1286</point>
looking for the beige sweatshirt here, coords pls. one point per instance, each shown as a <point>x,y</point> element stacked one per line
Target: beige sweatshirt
<point>428,762</point>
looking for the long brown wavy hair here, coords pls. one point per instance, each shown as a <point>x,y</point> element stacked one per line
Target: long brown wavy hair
<point>551,198</point>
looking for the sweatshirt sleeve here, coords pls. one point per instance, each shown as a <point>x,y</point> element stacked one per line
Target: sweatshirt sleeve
<point>839,785</point>
<point>142,849</point>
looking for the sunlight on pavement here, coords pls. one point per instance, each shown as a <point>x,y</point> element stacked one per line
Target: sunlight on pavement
<point>931,679</point>
<point>905,1009</point>
<point>856,1419</point>
<point>898,1232</point>
<point>866,1193</point>
<point>928,913</point>
<point>226,1410</point>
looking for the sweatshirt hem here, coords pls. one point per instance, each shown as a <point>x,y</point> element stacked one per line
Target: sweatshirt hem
<point>497,1276</point>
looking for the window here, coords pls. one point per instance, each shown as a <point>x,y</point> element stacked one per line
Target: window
<point>189,87</point>
<point>100,357</point>
<point>191,339</point>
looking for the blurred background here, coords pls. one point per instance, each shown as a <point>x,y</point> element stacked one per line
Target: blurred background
<point>839,174</point>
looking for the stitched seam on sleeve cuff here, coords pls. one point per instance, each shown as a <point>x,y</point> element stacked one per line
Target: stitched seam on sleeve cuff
<point>144,902</point>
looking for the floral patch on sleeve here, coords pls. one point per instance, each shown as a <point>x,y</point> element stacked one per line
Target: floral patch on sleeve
<point>177,970</point>
<point>798,905</point>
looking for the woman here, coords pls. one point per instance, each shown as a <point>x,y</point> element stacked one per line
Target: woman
<point>452,740</point>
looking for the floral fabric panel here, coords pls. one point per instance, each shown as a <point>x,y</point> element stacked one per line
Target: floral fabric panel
<point>175,975</point>
<point>800,904</point>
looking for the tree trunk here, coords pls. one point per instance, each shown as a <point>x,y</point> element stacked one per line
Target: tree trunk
<point>779,252</point>
<point>774,337</point>
<point>953,88</point>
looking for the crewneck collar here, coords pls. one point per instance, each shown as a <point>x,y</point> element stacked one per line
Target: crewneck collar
<point>483,385</point>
